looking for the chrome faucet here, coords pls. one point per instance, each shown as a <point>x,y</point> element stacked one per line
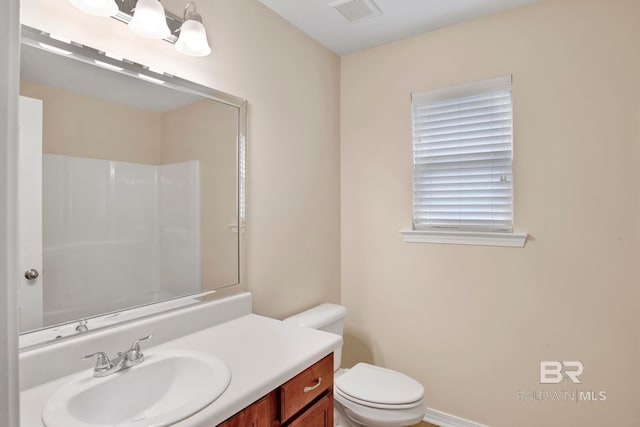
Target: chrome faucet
<point>131,357</point>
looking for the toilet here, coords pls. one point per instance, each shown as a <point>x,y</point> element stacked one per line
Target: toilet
<point>365,395</point>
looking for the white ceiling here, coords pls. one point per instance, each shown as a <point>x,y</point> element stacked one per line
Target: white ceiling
<point>400,19</point>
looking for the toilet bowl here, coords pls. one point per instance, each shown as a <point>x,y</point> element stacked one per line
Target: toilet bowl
<point>365,395</point>
<point>368,395</point>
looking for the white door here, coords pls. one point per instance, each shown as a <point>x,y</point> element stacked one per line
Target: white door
<point>30,214</point>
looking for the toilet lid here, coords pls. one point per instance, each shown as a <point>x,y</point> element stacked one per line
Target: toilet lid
<point>379,387</point>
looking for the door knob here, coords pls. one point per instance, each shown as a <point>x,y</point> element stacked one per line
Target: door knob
<point>31,274</point>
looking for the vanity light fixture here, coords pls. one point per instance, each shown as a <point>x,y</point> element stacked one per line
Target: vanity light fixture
<point>149,20</point>
<point>193,36</point>
<point>96,7</point>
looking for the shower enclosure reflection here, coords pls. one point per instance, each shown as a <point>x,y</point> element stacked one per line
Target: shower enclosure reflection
<point>117,234</point>
<point>139,189</point>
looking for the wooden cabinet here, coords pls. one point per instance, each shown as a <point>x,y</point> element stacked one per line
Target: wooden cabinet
<point>319,415</point>
<point>263,413</point>
<point>304,401</point>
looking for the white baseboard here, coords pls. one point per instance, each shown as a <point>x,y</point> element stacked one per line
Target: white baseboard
<point>443,419</point>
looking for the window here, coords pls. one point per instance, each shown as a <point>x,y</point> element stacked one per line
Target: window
<point>462,160</point>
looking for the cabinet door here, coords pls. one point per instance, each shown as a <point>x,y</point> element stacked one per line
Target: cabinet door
<point>319,415</point>
<point>263,413</point>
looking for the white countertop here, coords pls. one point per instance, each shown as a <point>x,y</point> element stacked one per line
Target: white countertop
<point>262,354</point>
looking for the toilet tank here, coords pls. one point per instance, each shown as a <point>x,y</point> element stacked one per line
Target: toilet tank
<point>325,317</point>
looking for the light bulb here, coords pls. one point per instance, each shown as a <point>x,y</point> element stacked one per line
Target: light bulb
<point>149,20</point>
<point>193,39</point>
<point>195,43</point>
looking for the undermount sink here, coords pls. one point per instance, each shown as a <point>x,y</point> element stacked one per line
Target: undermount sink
<point>167,387</point>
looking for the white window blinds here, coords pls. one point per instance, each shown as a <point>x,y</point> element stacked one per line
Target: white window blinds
<point>462,157</point>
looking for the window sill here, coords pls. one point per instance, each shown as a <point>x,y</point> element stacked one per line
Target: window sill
<point>514,240</point>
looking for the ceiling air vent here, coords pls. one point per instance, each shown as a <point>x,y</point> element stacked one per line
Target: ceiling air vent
<point>356,10</point>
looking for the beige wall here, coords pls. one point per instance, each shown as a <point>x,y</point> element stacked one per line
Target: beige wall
<point>207,131</point>
<point>292,85</point>
<point>74,125</point>
<point>472,323</point>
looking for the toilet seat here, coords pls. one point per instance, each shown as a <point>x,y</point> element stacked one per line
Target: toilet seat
<point>379,388</point>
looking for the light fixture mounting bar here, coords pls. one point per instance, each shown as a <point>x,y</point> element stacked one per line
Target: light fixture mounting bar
<point>125,14</point>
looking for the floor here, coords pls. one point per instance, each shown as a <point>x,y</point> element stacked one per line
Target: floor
<point>424,424</point>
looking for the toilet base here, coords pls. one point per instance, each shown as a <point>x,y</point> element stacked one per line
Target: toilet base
<point>343,417</point>
<point>340,419</point>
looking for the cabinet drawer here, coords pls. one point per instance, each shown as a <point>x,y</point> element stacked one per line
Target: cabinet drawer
<point>305,387</point>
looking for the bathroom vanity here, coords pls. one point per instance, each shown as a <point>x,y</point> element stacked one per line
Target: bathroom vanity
<point>272,363</point>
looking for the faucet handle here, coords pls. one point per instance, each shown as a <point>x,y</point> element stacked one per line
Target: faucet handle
<point>135,352</point>
<point>103,363</point>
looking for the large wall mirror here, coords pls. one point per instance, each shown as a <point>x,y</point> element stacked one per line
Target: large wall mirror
<point>131,190</point>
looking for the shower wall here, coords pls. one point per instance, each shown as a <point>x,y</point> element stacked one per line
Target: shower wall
<point>179,228</point>
<point>111,229</point>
